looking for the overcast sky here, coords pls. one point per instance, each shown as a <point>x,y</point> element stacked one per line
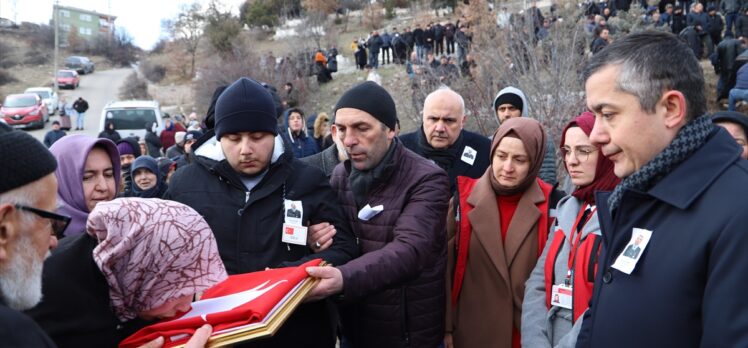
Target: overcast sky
<point>141,18</point>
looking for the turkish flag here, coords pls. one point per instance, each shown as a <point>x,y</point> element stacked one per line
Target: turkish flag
<point>241,299</point>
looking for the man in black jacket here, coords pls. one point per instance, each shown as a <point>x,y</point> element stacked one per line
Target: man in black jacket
<point>419,40</point>
<point>438,39</point>
<point>243,181</point>
<point>443,139</point>
<point>80,106</point>
<point>407,36</point>
<point>725,64</point>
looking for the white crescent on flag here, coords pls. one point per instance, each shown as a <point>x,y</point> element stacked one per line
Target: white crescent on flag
<point>226,303</point>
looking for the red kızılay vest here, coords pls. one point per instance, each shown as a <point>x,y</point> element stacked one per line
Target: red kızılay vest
<point>464,188</point>
<point>584,266</point>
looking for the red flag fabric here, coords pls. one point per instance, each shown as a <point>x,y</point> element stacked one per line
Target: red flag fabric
<point>241,299</point>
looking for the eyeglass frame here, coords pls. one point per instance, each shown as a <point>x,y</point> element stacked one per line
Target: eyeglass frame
<point>53,217</point>
<point>565,153</point>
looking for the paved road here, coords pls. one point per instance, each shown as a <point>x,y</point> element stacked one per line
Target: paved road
<point>98,89</point>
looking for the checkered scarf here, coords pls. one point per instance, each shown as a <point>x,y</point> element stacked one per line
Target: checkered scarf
<point>690,138</point>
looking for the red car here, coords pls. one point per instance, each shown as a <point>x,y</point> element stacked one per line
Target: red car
<point>24,111</point>
<point>68,78</point>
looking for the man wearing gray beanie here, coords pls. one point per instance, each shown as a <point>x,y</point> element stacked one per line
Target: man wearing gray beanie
<point>246,182</point>
<point>28,229</point>
<point>397,202</point>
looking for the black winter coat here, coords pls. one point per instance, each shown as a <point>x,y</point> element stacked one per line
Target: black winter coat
<point>741,26</point>
<point>80,105</point>
<point>375,43</point>
<point>460,167</point>
<point>113,136</point>
<point>428,37</point>
<point>418,36</point>
<point>153,142</point>
<point>18,330</point>
<point>408,38</point>
<point>248,225</point>
<point>688,286</point>
<point>715,25</point>
<point>75,310</point>
<point>678,23</point>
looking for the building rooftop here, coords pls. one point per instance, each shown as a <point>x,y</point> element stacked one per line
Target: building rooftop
<point>104,15</point>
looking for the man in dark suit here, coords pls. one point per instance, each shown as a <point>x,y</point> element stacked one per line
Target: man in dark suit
<point>633,250</point>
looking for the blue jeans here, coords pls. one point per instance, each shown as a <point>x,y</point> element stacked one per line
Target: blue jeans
<point>736,94</point>
<point>79,121</point>
<point>420,53</point>
<point>374,59</point>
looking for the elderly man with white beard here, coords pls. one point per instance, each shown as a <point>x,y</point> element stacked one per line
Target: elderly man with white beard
<point>28,231</point>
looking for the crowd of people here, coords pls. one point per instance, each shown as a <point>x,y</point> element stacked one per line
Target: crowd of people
<point>439,237</point>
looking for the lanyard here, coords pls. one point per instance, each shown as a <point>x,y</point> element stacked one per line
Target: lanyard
<point>576,229</point>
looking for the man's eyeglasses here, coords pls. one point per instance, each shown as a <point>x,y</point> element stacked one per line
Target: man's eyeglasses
<point>582,153</point>
<point>59,222</point>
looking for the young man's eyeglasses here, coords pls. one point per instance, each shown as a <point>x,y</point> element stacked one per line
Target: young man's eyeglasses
<point>582,153</point>
<point>59,222</point>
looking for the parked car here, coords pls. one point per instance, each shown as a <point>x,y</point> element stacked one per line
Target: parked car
<point>48,95</point>
<point>7,23</point>
<point>24,111</point>
<point>82,65</point>
<point>68,78</point>
<point>130,117</point>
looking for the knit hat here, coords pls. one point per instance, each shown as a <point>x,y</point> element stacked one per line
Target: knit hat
<point>193,135</point>
<point>738,118</point>
<point>179,137</point>
<point>508,98</point>
<point>373,99</point>
<point>133,142</point>
<point>514,96</point>
<point>245,106</point>
<point>210,116</point>
<point>125,148</point>
<point>25,159</point>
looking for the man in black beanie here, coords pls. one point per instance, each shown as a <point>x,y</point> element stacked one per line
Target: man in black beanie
<point>28,229</point>
<point>396,201</point>
<point>243,181</point>
<point>736,123</point>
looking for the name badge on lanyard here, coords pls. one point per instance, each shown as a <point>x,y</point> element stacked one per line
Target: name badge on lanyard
<point>561,296</point>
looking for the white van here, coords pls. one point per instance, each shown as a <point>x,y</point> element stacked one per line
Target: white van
<point>130,117</point>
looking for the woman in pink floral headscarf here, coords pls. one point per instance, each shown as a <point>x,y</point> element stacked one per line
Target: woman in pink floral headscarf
<point>140,260</point>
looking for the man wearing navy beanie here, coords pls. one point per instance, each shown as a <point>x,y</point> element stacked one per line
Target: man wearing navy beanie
<point>397,202</point>
<point>243,181</point>
<point>245,106</point>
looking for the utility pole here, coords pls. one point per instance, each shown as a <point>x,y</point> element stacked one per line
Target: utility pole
<point>56,18</point>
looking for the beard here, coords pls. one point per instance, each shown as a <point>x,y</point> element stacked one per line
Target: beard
<point>21,280</point>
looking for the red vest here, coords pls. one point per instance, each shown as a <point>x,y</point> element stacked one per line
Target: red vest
<point>585,268</point>
<point>464,188</point>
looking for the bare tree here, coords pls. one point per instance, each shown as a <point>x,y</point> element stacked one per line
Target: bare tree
<point>187,29</point>
<point>547,70</point>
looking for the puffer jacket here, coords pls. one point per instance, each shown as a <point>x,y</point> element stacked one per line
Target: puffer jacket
<point>394,294</point>
<point>247,225</point>
<point>302,145</point>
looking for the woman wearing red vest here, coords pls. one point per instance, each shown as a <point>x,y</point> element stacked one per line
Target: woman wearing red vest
<point>495,238</point>
<point>560,287</point>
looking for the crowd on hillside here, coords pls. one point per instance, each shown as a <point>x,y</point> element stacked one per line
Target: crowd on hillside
<point>439,237</point>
